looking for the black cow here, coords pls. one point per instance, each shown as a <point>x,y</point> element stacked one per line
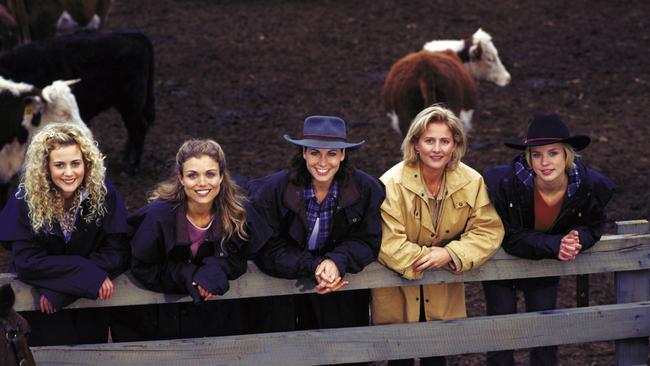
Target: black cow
<point>116,70</point>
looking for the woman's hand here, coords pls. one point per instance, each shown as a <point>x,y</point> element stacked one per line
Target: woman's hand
<point>106,291</point>
<point>569,246</point>
<point>437,258</point>
<point>328,277</point>
<point>205,294</point>
<point>46,306</point>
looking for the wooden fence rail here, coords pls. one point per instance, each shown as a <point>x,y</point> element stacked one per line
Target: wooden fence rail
<point>628,322</point>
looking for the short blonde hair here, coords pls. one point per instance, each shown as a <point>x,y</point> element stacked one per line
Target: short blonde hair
<point>569,152</point>
<point>43,199</point>
<point>435,113</point>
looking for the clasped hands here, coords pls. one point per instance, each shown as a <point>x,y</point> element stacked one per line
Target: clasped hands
<point>437,258</point>
<point>328,278</point>
<point>569,246</point>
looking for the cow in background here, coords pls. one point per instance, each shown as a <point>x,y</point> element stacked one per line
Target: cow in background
<point>481,60</point>
<point>22,21</point>
<point>423,78</point>
<point>479,55</point>
<point>24,110</point>
<point>116,70</point>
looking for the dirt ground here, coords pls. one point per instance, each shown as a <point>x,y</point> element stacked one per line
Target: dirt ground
<point>246,72</point>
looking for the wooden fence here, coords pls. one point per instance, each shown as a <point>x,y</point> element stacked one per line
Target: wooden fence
<point>628,322</point>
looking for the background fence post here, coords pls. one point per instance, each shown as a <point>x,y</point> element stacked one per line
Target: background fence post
<point>632,286</point>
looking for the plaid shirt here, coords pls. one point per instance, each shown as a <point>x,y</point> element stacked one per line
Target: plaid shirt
<point>323,211</point>
<point>527,176</point>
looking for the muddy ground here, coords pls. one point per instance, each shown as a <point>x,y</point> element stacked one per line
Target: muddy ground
<point>246,72</point>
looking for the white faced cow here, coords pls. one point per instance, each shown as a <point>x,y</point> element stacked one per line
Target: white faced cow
<point>24,110</point>
<point>479,57</point>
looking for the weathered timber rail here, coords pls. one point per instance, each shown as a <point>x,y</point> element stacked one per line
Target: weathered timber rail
<point>628,322</point>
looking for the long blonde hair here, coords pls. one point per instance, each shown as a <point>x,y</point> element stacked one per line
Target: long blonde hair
<point>46,205</point>
<point>432,114</point>
<point>229,203</point>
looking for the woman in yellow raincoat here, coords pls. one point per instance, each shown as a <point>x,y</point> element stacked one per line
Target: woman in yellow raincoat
<point>437,215</point>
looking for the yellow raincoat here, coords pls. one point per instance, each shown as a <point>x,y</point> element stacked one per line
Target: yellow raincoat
<point>408,233</point>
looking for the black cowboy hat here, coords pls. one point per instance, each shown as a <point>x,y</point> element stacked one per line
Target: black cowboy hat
<point>324,132</point>
<point>546,129</point>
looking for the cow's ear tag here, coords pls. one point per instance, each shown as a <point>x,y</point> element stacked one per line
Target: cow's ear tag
<point>29,110</point>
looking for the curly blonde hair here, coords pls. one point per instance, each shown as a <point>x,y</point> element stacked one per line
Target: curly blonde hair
<point>229,203</point>
<point>46,205</point>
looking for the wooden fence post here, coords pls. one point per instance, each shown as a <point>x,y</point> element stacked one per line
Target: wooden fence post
<point>632,286</point>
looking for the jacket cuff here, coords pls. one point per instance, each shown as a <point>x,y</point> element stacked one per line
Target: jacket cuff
<point>187,272</point>
<point>339,260</point>
<point>211,278</point>
<point>455,263</point>
<point>57,299</point>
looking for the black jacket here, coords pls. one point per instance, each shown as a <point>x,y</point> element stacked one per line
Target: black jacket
<point>584,211</point>
<point>355,234</point>
<point>64,271</point>
<point>162,259</point>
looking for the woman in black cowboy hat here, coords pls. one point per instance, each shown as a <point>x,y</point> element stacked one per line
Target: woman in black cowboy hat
<point>552,206</point>
<point>325,219</point>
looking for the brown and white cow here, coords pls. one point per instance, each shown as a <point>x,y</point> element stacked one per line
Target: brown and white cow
<point>481,60</point>
<point>24,110</point>
<point>479,55</point>
<point>423,78</point>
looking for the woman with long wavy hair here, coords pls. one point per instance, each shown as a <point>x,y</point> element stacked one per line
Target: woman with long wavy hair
<point>192,238</point>
<point>66,226</point>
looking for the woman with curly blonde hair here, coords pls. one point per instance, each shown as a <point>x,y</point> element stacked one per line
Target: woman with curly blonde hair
<point>192,238</point>
<point>66,226</point>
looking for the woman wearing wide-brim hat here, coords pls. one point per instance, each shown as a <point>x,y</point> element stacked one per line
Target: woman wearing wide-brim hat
<point>552,206</point>
<point>325,220</point>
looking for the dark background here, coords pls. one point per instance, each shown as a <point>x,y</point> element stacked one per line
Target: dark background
<point>246,72</point>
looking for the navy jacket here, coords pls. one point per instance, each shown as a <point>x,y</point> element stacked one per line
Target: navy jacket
<point>65,271</point>
<point>161,256</point>
<point>514,201</point>
<point>355,234</point>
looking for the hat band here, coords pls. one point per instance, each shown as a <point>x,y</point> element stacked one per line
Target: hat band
<point>325,138</point>
<point>543,139</point>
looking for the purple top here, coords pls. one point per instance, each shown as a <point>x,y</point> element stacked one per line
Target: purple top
<point>197,235</point>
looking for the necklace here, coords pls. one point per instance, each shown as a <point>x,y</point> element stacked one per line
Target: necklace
<point>200,227</point>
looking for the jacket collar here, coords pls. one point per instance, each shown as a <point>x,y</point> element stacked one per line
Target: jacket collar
<point>411,180</point>
<point>526,175</point>
<point>182,233</point>
<point>294,195</point>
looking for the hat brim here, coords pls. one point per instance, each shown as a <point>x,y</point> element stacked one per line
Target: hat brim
<point>578,142</point>
<point>325,144</point>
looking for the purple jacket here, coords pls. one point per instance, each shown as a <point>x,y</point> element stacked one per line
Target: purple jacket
<point>355,234</point>
<point>65,271</point>
<point>161,256</point>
